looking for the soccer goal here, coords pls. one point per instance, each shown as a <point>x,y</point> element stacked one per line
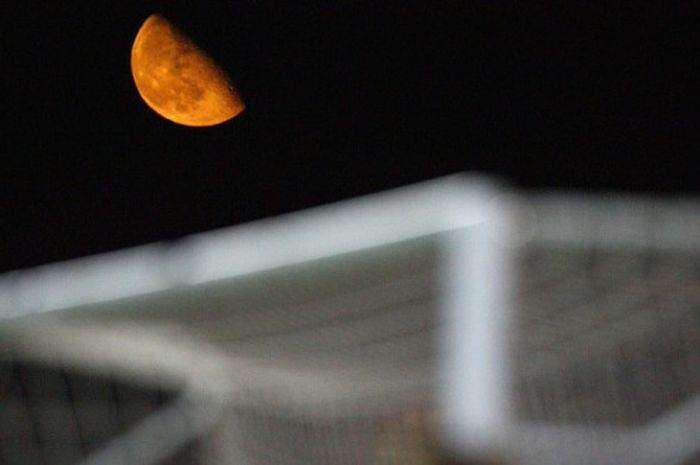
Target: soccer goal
<point>448,322</point>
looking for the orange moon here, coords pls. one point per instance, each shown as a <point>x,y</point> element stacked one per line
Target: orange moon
<point>178,80</point>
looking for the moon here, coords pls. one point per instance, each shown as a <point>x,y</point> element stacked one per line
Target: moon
<point>178,80</point>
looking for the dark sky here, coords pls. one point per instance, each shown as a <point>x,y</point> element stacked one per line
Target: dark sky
<point>343,98</point>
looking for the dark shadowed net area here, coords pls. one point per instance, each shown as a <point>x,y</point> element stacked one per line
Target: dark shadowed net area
<point>52,414</point>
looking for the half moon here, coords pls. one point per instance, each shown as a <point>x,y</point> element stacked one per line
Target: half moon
<point>178,80</point>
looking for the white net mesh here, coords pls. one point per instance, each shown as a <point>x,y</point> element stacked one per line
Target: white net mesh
<point>609,332</point>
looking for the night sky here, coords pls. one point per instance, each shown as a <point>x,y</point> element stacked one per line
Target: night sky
<point>343,98</point>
